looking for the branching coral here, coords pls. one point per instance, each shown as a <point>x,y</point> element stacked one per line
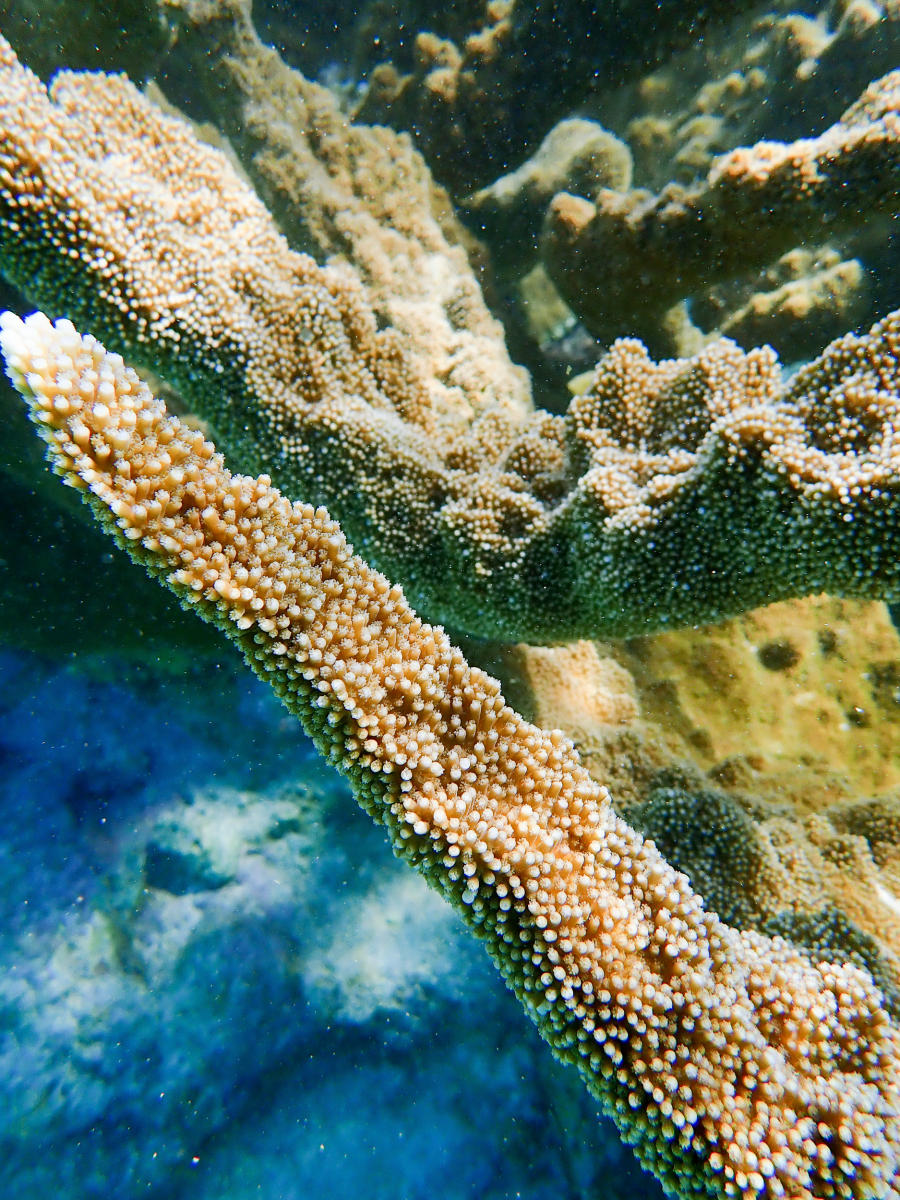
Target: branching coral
<point>380,386</point>
<point>469,94</point>
<point>635,255</point>
<point>735,1064</point>
<point>671,493</point>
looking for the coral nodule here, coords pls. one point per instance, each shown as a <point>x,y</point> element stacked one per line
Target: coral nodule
<point>736,1064</point>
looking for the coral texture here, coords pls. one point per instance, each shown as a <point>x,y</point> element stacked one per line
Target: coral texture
<point>735,1063</point>
<point>350,194</point>
<point>669,493</point>
<point>576,156</point>
<point>777,75</point>
<point>633,255</point>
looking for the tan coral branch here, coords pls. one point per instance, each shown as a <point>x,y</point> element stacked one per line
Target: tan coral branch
<point>737,1065</point>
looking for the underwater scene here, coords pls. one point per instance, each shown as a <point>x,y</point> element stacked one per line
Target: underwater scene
<point>449,600</point>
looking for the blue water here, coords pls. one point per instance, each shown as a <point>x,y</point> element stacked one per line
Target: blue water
<point>217,982</point>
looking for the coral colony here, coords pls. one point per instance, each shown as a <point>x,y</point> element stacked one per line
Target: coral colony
<point>372,399</point>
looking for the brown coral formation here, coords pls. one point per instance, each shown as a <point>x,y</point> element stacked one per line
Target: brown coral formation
<point>821,880</point>
<point>806,298</point>
<point>351,194</point>
<point>669,492</point>
<point>492,93</point>
<point>735,1063</point>
<point>799,700</point>
<point>180,248</point>
<point>773,73</point>
<point>757,72</point>
<point>655,501</point>
<point>747,752</point>
<point>576,156</point>
<point>791,715</point>
<point>575,687</point>
<point>755,204</point>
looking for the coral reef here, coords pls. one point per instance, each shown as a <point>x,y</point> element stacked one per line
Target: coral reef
<point>349,194</point>
<point>471,97</point>
<point>337,331</point>
<point>775,73</point>
<point>804,299</point>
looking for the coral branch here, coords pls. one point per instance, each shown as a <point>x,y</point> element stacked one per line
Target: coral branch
<point>623,262</point>
<point>733,1062</point>
<point>671,493</point>
<point>470,98</point>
